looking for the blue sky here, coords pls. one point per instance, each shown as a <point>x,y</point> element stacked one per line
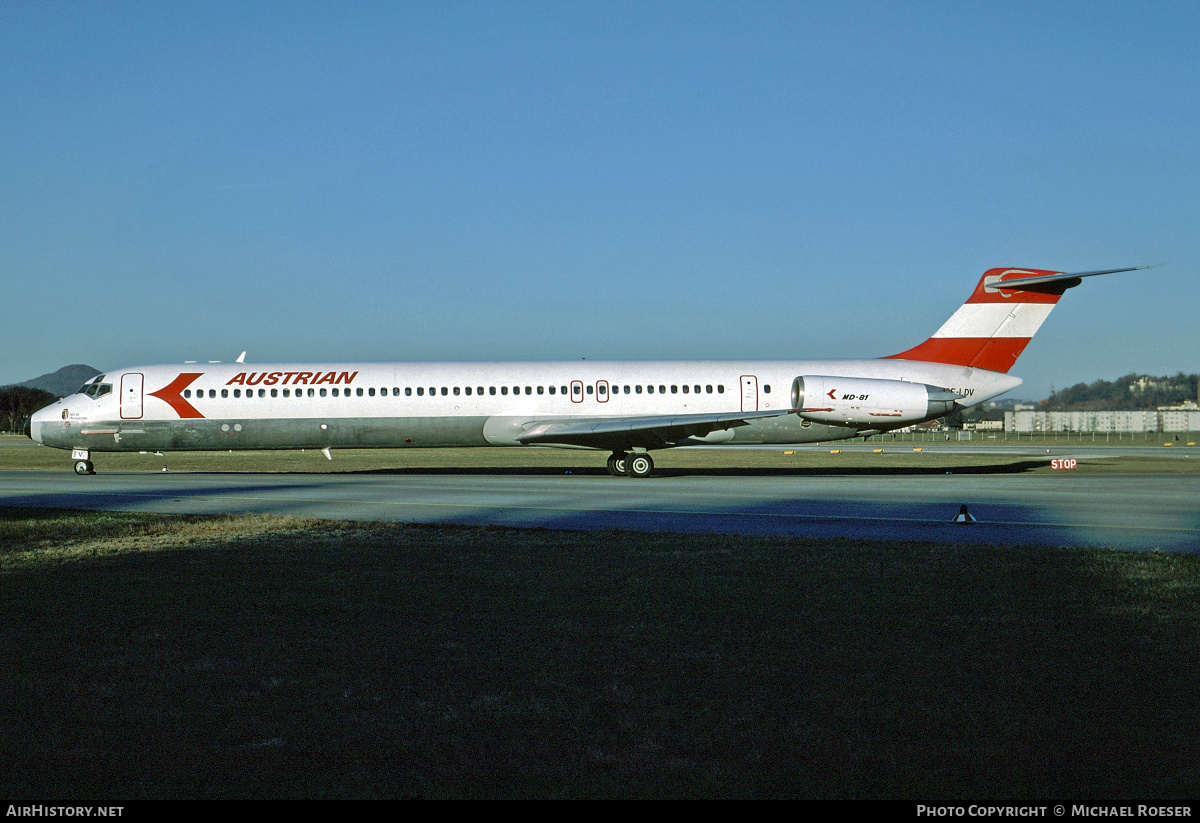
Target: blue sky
<point>454,181</point>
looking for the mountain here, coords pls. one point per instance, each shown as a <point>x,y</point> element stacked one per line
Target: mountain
<point>64,381</point>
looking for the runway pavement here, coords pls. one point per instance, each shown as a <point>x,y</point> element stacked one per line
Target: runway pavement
<point>1143,511</point>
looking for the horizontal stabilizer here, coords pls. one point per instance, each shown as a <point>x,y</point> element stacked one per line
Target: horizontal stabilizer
<point>992,283</point>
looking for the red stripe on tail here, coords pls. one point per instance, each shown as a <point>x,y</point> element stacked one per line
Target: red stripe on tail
<point>991,353</point>
<point>983,333</point>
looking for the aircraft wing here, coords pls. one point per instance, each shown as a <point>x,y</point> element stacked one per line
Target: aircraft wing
<point>618,433</point>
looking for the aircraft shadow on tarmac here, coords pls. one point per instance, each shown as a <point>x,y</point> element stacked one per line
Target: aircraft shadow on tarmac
<point>1018,467</point>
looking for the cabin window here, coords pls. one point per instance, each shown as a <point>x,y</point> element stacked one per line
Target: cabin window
<point>685,389</point>
<point>445,391</point>
<point>408,391</point>
<point>589,388</point>
<point>708,389</point>
<point>491,390</point>
<point>529,389</point>
<point>224,392</point>
<point>262,392</point>
<point>274,392</point>
<point>287,392</point>
<point>370,391</point>
<point>467,390</point>
<point>359,391</point>
<point>540,390</point>
<point>456,391</point>
<point>479,390</point>
<point>674,390</point>
<point>720,389</point>
<point>187,392</point>
<point>504,389</point>
<point>237,392</point>
<point>767,388</point>
<point>599,388</point>
<point>322,392</point>
<point>638,388</point>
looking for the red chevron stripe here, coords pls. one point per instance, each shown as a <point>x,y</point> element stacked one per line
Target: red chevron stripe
<point>170,394</point>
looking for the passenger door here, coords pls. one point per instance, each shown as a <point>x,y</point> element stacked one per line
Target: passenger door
<point>131,396</point>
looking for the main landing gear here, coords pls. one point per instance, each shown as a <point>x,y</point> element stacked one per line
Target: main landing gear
<point>638,464</point>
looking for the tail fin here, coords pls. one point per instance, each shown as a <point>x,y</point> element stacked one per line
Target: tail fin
<point>999,319</point>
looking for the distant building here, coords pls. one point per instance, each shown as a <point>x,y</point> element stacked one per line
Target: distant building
<point>984,426</point>
<point>1110,422</point>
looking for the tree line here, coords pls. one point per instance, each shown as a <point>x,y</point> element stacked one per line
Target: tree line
<point>18,402</point>
<point>1132,392</point>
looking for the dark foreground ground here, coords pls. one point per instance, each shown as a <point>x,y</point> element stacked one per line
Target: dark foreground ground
<point>150,656</point>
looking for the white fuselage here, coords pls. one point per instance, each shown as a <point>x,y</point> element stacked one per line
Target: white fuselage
<point>196,406</point>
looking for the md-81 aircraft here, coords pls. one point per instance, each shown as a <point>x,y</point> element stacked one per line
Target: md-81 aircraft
<point>627,408</point>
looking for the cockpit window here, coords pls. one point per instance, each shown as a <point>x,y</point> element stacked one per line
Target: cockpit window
<point>96,390</point>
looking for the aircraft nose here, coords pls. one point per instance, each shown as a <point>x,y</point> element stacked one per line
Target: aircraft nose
<point>33,424</point>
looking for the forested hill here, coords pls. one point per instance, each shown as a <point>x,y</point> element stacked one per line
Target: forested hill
<point>1131,392</point>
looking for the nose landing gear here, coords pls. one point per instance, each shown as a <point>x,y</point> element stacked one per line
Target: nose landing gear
<point>83,461</point>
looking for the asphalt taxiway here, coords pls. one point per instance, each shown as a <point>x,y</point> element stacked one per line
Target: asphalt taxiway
<point>1136,511</point>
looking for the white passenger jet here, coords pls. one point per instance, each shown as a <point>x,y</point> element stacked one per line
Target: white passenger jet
<point>628,408</point>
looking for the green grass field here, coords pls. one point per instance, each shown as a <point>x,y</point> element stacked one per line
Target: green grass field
<point>174,656</point>
<point>896,456</point>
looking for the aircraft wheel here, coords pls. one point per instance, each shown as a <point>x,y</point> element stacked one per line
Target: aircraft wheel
<point>616,465</point>
<point>639,465</point>
<point>84,467</point>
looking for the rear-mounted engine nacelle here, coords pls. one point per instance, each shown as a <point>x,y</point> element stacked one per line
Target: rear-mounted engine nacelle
<point>867,402</point>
